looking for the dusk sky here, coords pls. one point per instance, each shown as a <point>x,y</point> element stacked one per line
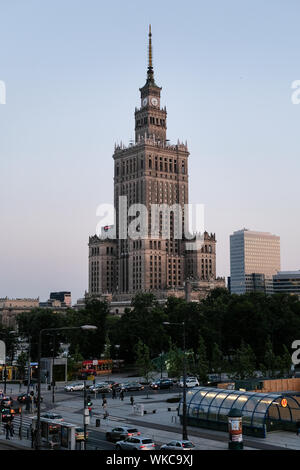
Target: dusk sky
<point>73,70</point>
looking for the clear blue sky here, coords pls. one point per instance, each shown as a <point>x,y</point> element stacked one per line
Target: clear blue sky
<point>72,71</point>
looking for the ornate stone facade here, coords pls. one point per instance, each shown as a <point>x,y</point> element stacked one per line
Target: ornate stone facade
<point>151,171</point>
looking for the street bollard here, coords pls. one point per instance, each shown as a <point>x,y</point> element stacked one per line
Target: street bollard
<point>235,428</point>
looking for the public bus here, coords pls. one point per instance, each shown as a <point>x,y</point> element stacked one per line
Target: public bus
<point>95,367</point>
<point>99,367</point>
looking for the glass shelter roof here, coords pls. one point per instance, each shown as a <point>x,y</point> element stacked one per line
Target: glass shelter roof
<point>214,404</point>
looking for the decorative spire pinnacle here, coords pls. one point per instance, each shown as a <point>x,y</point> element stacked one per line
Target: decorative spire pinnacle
<point>150,73</point>
<point>150,47</point>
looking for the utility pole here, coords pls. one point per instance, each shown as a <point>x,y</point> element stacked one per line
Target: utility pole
<point>184,416</point>
<point>52,374</point>
<point>86,414</point>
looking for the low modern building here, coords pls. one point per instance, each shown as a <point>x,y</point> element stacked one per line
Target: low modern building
<point>287,282</point>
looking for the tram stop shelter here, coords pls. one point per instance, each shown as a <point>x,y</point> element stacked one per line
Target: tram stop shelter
<point>208,407</point>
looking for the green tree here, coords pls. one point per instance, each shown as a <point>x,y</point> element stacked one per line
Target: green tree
<point>284,362</point>
<point>107,348</point>
<point>201,365</point>
<point>73,362</point>
<point>270,360</point>
<point>144,321</point>
<point>143,361</point>
<point>21,364</point>
<point>244,362</point>
<point>216,362</point>
<point>174,362</point>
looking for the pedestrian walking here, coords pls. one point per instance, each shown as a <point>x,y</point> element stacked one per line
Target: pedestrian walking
<point>122,395</point>
<point>7,430</point>
<point>132,400</point>
<point>298,428</point>
<point>11,429</point>
<point>113,394</point>
<point>104,402</point>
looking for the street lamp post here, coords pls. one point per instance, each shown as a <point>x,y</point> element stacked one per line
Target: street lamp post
<point>52,373</point>
<point>38,421</point>
<point>184,416</point>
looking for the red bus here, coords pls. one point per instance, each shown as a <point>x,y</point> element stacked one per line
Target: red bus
<point>95,367</point>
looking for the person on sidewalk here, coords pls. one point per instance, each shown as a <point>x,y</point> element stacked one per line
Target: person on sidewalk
<point>132,400</point>
<point>122,395</point>
<point>104,402</point>
<point>11,429</point>
<point>113,394</point>
<point>7,430</point>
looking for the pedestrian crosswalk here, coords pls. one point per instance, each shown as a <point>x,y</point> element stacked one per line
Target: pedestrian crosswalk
<point>25,420</point>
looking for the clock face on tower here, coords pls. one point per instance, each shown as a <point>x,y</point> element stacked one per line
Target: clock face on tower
<point>154,101</point>
<point>145,101</point>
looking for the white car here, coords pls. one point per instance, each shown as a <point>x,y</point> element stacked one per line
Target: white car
<point>190,382</point>
<point>178,445</point>
<point>136,443</point>
<point>74,386</point>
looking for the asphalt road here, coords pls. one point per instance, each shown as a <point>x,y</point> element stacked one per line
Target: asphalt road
<point>141,393</point>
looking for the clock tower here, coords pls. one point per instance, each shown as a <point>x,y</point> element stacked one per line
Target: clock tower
<point>150,119</point>
<point>153,172</point>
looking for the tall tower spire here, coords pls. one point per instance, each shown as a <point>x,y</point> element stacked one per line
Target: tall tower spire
<point>150,73</point>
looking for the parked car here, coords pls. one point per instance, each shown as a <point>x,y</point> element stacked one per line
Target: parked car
<point>74,387</point>
<point>161,383</point>
<point>6,401</point>
<point>121,432</point>
<point>190,382</point>
<point>100,388</point>
<point>178,445</point>
<point>24,396</point>
<point>131,386</point>
<point>79,434</point>
<point>112,383</point>
<point>53,416</point>
<point>136,443</point>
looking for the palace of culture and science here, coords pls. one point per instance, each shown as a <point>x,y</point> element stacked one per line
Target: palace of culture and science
<point>150,172</point>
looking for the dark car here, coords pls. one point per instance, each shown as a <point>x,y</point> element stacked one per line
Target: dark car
<point>120,433</point>
<point>53,416</point>
<point>6,401</point>
<point>162,383</point>
<point>24,396</point>
<point>100,388</point>
<point>7,414</point>
<point>131,386</point>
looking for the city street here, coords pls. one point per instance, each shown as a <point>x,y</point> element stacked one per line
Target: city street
<point>160,421</point>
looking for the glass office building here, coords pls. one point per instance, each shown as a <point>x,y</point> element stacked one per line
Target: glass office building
<point>254,259</point>
<point>287,282</point>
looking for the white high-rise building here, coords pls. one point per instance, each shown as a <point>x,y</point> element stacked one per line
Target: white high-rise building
<point>254,259</point>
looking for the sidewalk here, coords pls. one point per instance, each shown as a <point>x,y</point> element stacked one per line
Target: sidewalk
<point>164,425</point>
<point>151,425</point>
